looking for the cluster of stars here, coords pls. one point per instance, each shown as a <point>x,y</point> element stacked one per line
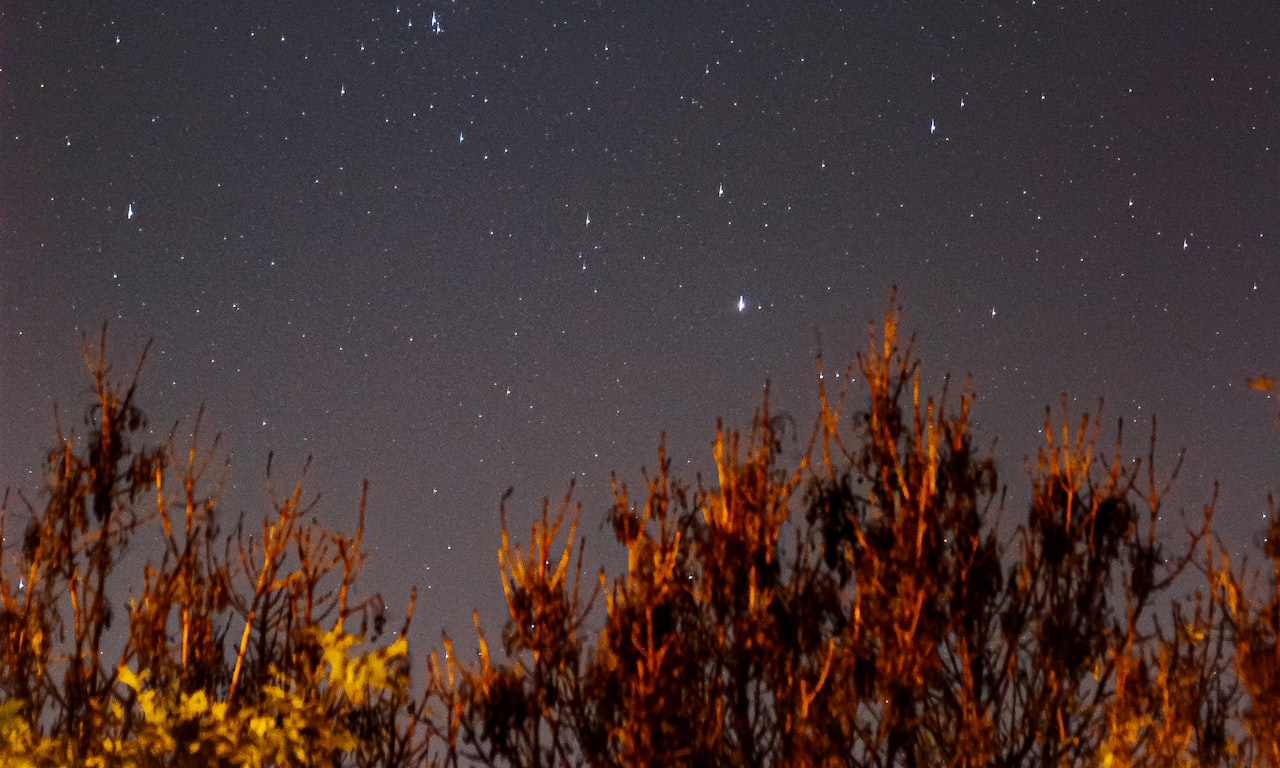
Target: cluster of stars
<point>396,277</point>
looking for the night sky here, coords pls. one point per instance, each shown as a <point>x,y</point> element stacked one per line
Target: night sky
<point>453,247</point>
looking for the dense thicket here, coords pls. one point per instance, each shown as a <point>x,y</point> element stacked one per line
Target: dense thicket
<point>855,604</point>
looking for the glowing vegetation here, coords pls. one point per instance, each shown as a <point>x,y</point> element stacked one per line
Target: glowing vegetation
<point>236,649</point>
<point>839,596</point>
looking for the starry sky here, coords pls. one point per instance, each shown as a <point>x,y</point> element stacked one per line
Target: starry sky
<point>456,247</point>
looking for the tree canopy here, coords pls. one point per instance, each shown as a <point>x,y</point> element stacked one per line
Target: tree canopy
<point>854,604</point>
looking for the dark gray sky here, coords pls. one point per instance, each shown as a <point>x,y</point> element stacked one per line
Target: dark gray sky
<point>514,246</point>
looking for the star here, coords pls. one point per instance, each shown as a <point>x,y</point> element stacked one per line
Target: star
<point>357,272</point>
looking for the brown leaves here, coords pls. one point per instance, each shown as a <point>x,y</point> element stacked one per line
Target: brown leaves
<point>1261,383</point>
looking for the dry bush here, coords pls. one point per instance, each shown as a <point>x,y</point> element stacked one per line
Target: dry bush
<point>237,650</point>
<point>862,608</point>
<point>856,604</point>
